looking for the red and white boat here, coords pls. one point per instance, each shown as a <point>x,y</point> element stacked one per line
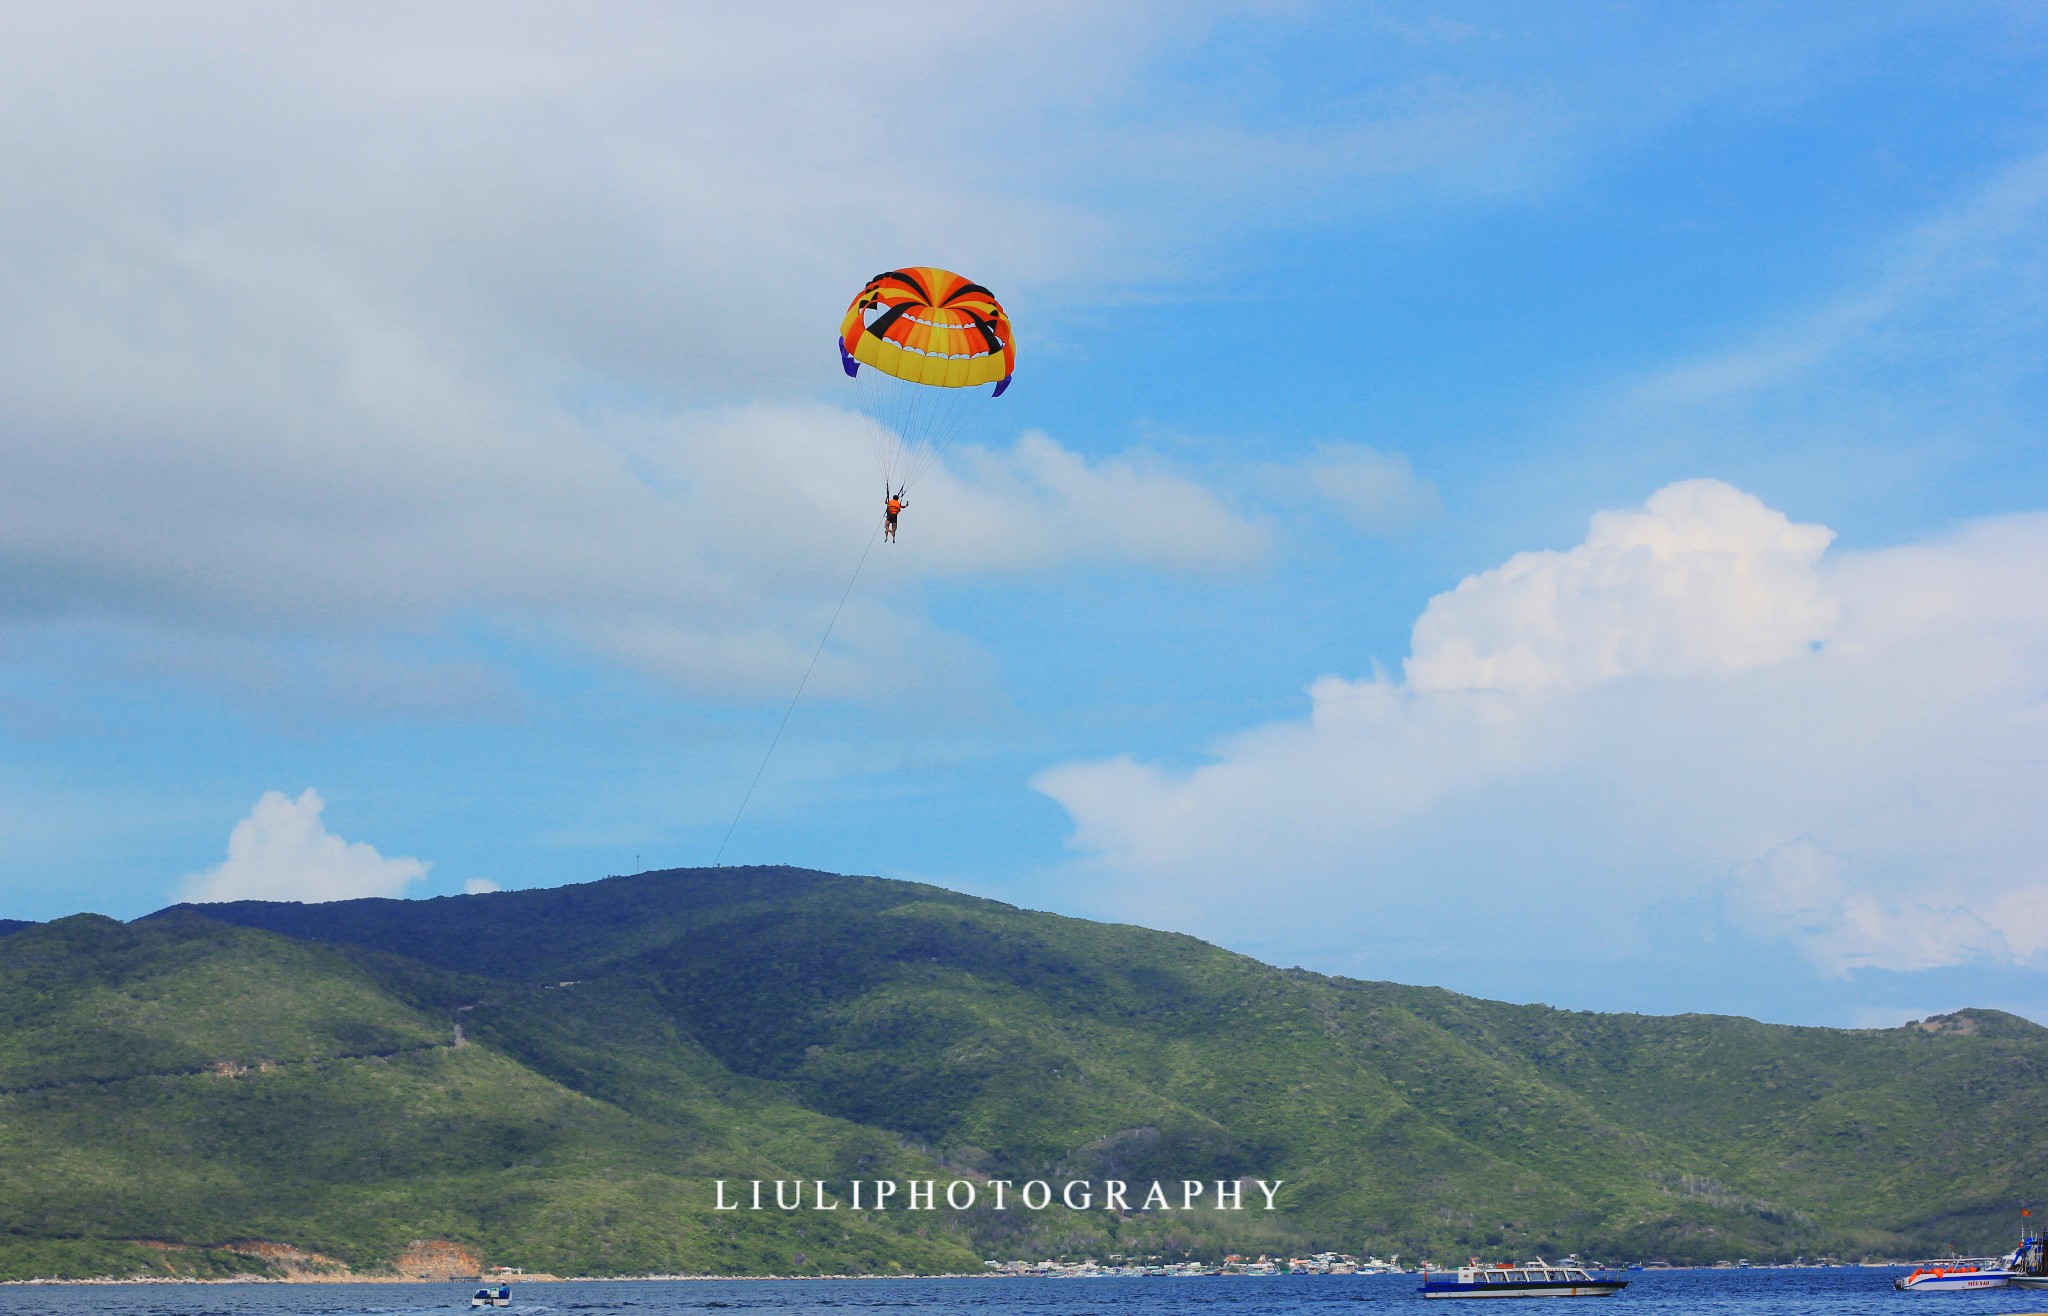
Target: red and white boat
<point>1955,1274</point>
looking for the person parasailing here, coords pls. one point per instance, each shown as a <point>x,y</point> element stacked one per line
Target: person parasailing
<point>890,509</point>
<point>933,342</point>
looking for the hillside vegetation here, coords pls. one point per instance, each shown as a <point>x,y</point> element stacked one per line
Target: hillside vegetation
<point>554,1079</point>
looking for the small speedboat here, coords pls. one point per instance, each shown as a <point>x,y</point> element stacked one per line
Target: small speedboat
<point>1535,1279</point>
<point>486,1298</point>
<point>1955,1274</point>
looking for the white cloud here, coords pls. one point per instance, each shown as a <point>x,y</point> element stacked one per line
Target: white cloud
<point>479,886</point>
<point>331,323</point>
<point>1844,752</point>
<point>1702,578</point>
<point>1798,890</point>
<point>709,602</point>
<point>1377,492</point>
<point>283,851</point>
<point>326,320</point>
<point>1036,504</point>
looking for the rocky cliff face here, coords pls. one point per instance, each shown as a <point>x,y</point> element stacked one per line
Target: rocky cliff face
<point>439,1259</point>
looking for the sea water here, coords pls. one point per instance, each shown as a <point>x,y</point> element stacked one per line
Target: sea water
<point>1833,1292</point>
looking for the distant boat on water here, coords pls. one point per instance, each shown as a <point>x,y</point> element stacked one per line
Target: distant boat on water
<point>486,1298</point>
<point>1535,1279</point>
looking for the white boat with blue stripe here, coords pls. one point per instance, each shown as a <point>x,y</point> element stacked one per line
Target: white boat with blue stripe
<point>1534,1279</point>
<point>1955,1274</point>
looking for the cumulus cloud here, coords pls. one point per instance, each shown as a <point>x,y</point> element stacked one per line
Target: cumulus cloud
<point>283,851</point>
<point>1698,703</point>
<point>1702,578</point>
<point>479,886</point>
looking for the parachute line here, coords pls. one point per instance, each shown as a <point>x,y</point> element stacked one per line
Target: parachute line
<point>718,860</point>
<point>911,426</point>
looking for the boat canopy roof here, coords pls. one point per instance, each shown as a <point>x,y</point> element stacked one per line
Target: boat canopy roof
<point>1524,1273</point>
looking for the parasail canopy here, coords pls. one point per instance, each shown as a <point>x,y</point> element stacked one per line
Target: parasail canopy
<point>931,342</point>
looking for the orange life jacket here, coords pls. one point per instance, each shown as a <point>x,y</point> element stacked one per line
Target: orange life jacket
<point>895,506</point>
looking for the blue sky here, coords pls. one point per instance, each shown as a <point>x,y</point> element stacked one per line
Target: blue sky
<point>1544,500</point>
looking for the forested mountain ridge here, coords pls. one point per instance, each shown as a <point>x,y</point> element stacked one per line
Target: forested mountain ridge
<point>222,1073</point>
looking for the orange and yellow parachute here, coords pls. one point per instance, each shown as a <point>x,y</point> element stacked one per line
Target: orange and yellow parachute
<point>932,342</point>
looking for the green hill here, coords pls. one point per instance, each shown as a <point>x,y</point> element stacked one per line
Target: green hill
<point>555,1078</point>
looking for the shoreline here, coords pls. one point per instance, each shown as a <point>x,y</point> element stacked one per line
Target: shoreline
<point>472,1281</point>
<point>515,1280</point>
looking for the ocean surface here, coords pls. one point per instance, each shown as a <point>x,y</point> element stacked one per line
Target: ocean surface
<point>1708,1292</point>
